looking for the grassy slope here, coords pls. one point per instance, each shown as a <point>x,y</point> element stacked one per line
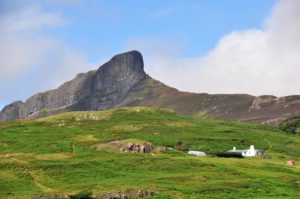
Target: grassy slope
<point>58,155</point>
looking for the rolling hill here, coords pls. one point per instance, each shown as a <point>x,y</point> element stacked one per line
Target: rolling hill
<point>77,153</point>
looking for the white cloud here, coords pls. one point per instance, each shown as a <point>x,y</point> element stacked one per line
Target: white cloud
<point>21,47</point>
<point>28,53</point>
<point>254,61</point>
<point>31,18</point>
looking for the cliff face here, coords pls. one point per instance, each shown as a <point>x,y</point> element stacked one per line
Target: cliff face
<point>95,90</point>
<point>113,80</point>
<point>12,111</point>
<point>122,82</point>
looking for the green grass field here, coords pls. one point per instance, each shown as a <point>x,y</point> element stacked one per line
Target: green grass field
<point>69,153</point>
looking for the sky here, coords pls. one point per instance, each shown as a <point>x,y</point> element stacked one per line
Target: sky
<point>232,46</point>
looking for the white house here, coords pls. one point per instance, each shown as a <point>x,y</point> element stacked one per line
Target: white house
<point>197,153</point>
<point>247,152</point>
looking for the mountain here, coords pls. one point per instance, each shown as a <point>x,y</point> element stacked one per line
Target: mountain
<point>122,82</point>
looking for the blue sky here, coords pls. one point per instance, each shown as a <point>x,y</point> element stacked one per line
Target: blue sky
<point>53,40</point>
<point>100,28</point>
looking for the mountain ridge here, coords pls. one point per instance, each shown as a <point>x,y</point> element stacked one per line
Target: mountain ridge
<point>122,81</point>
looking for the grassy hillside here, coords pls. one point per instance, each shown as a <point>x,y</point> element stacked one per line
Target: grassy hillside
<point>72,152</point>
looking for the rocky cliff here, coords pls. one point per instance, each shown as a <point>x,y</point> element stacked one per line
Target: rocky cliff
<point>123,82</point>
<point>95,90</point>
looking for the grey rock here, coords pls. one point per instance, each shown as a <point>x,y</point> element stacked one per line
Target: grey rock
<point>12,111</point>
<point>95,90</point>
<point>114,79</point>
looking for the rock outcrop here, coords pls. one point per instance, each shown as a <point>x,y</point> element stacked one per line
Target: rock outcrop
<point>122,81</point>
<point>134,147</point>
<point>137,148</point>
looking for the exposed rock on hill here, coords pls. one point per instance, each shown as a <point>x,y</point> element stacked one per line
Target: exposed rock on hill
<point>123,82</point>
<point>137,148</point>
<point>128,194</point>
<point>132,146</point>
<point>12,111</point>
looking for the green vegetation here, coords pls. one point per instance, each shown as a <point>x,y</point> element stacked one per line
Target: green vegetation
<point>291,126</point>
<point>64,154</point>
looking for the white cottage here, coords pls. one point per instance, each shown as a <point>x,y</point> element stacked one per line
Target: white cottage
<point>247,152</point>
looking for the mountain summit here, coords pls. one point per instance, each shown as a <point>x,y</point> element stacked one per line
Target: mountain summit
<point>122,81</point>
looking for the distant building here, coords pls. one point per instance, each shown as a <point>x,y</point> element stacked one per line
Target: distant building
<point>197,153</point>
<point>291,162</point>
<point>247,152</point>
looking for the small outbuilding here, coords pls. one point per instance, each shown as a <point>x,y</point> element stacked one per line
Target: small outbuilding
<point>291,162</point>
<point>197,153</point>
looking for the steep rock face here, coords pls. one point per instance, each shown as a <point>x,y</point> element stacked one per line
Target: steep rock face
<point>12,111</point>
<point>114,79</point>
<point>95,90</point>
<point>112,82</point>
<point>58,99</point>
